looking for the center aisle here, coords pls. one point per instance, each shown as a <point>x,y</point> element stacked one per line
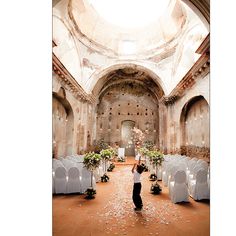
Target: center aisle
<point>112,211</point>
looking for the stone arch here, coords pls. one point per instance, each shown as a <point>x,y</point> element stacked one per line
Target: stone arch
<point>201,9</point>
<point>63,124</point>
<point>194,128</point>
<point>99,78</point>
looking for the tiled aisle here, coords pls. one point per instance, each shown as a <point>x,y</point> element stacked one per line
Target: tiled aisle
<point>111,212</point>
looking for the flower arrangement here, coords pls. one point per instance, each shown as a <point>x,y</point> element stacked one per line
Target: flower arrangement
<point>113,151</point>
<point>156,188</point>
<point>106,154</point>
<point>111,167</point>
<point>92,161</point>
<point>156,157</point>
<point>143,150</point>
<point>137,137</point>
<point>148,145</point>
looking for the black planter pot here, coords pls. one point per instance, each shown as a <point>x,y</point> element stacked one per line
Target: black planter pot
<point>153,177</point>
<point>90,193</point>
<point>156,188</point>
<point>105,178</point>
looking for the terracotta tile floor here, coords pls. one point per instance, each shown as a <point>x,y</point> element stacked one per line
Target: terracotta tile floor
<point>111,212</point>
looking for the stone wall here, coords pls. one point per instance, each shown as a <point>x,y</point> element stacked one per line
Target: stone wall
<point>197,143</point>
<point>116,106</point>
<point>81,126</point>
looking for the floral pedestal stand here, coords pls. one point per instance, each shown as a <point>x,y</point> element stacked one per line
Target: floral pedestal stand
<point>90,191</point>
<point>91,162</point>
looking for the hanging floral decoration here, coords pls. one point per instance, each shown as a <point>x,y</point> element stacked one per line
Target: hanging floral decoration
<point>137,137</point>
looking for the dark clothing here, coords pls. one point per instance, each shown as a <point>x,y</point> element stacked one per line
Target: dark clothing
<point>136,195</point>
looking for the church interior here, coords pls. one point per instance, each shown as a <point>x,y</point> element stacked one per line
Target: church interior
<point>120,67</point>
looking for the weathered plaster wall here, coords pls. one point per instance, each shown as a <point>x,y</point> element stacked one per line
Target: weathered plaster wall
<point>116,106</point>
<point>174,129</point>
<point>81,126</point>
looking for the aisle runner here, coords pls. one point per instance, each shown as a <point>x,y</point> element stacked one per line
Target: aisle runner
<point>119,214</point>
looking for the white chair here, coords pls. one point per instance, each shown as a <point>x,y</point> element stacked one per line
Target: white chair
<point>53,184</point>
<point>199,188</point>
<point>159,173</point>
<point>73,185</point>
<point>172,174</point>
<point>178,190</point>
<point>193,174</point>
<point>165,174</point>
<point>60,180</point>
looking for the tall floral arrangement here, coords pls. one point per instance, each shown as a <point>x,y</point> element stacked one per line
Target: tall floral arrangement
<point>156,157</point>
<point>137,137</point>
<point>91,162</point>
<point>106,154</point>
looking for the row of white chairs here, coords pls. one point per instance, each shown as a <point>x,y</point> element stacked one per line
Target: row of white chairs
<point>70,176</point>
<point>71,180</point>
<point>185,176</point>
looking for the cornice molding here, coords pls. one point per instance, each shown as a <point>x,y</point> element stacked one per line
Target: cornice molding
<point>204,48</point>
<point>69,82</point>
<point>198,71</point>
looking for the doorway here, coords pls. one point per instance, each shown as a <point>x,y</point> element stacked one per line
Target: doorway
<point>126,137</point>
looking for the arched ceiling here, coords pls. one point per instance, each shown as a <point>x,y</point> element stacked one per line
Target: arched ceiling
<point>131,80</point>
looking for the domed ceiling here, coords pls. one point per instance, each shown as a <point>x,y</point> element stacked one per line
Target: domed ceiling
<point>92,36</point>
<point>153,25</point>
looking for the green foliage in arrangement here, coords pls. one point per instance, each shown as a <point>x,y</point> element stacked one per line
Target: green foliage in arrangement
<point>92,160</point>
<point>156,157</point>
<point>143,151</point>
<point>106,154</point>
<point>148,145</point>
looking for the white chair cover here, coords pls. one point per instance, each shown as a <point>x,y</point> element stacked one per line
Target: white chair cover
<point>53,185</point>
<point>172,173</point>
<point>199,188</point>
<point>60,180</point>
<point>74,184</point>
<point>178,189</point>
<point>165,175</point>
